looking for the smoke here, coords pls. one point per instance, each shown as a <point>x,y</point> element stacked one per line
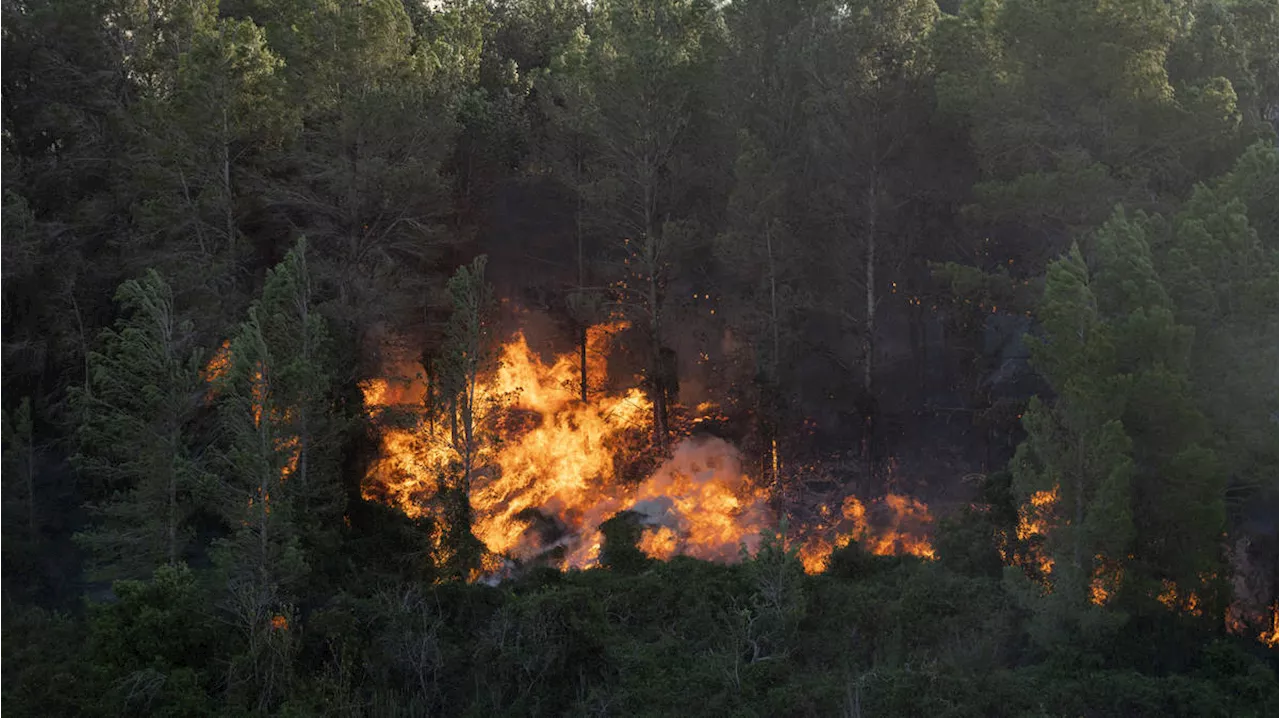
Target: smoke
<point>706,503</point>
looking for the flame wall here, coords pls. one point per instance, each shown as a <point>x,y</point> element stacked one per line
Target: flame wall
<point>552,469</point>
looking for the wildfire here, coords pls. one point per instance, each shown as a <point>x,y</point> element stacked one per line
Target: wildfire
<point>1270,636</point>
<point>1174,599</point>
<point>1033,520</point>
<point>216,369</point>
<point>1105,581</point>
<point>561,467</point>
<point>901,531</point>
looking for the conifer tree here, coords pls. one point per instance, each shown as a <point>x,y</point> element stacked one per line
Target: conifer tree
<point>134,442</point>
<point>647,60</point>
<point>282,491</point>
<point>211,106</point>
<point>1139,492</point>
<point>1076,444</point>
<point>466,356</point>
<point>274,400</point>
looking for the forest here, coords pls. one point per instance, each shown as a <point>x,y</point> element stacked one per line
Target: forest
<point>640,357</point>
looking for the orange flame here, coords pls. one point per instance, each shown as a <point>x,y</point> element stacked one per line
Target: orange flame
<point>1270,636</point>
<point>558,468</point>
<point>1175,598</point>
<point>1105,581</point>
<point>216,369</point>
<point>902,530</point>
<point>1033,520</point>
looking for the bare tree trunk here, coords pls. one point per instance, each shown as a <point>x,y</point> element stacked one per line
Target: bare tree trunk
<point>30,480</point>
<point>772,374</point>
<point>84,343</point>
<point>657,382</point>
<point>173,512</point>
<point>582,282</point>
<point>870,279</point>
<point>773,301</point>
<point>582,359</point>
<point>1079,508</point>
<point>468,431</point>
<point>869,326</point>
<point>652,264</point>
<point>226,184</point>
<point>304,311</point>
<point>657,378</point>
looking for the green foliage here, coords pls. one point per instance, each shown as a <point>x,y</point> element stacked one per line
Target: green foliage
<point>148,647</point>
<point>620,549</point>
<point>134,437</point>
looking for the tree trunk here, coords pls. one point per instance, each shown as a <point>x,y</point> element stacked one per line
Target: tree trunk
<point>304,310</point>
<point>869,327</point>
<point>868,341</point>
<point>657,375</point>
<point>30,480</point>
<point>771,377</point>
<point>226,184</point>
<point>657,379</point>
<point>172,524</point>
<point>582,359</point>
<point>582,281</point>
<point>773,303</point>
<point>1079,518</point>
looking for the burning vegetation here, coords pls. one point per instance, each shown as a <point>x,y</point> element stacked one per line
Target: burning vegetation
<point>557,468</point>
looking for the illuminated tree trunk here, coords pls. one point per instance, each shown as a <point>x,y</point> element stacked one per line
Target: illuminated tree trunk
<point>770,408</point>
<point>657,374</point>
<point>582,282</point>
<point>467,355</point>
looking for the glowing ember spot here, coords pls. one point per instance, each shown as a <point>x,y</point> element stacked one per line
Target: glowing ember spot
<point>814,554</point>
<point>1178,599</point>
<point>1033,521</point>
<point>1105,581</point>
<point>216,369</point>
<point>279,623</point>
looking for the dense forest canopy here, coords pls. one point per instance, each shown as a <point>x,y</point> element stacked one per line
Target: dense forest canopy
<point>640,357</point>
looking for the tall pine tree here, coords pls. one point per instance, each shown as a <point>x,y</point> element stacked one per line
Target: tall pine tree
<point>134,443</point>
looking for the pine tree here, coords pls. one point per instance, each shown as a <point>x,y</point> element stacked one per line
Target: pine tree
<point>1122,445</point>
<point>281,459</point>
<point>1076,445</point>
<point>282,494</point>
<point>211,111</point>
<point>760,257</point>
<point>377,92</point>
<point>647,60</point>
<point>468,353</point>
<point>134,442</point>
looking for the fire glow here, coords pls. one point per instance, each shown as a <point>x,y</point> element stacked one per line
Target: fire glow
<point>558,468</point>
